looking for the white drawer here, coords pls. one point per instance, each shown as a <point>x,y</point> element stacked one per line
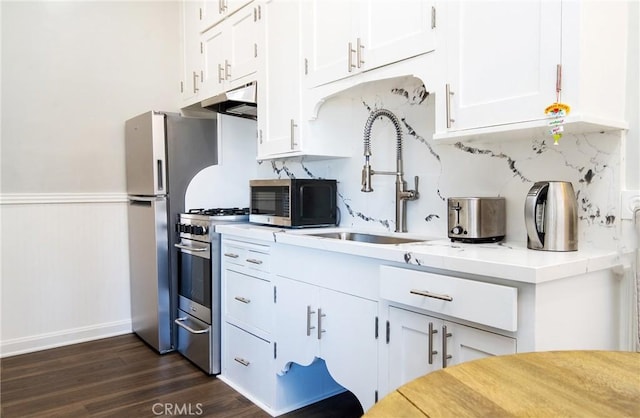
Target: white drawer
<point>249,299</point>
<point>483,303</point>
<point>253,256</point>
<point>247,363</point>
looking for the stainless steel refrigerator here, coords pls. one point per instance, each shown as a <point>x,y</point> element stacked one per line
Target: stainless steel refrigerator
<point>164,151</point>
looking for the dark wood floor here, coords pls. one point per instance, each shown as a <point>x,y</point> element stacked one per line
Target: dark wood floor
<point>122,377</point>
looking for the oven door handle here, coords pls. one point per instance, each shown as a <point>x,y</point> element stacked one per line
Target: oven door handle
<point>194,249</point>
<point>180,322</point>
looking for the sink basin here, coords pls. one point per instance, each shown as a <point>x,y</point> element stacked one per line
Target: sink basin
<point>370,238</point>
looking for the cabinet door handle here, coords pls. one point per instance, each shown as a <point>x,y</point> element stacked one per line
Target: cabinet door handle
<point>220,74</point>
<point>359,50</point>
<point>227,70</point>
<point>254,261</point>
<point>428,294</point>
<point>231,255</point>
<point>241,299</point>
<point>445,356</point>
<point>431,350</point>
<point>195,82</point>
<point>350,52</point>
<point>293,126</point>
<point>320,316</point>
<point>447,94</point>
<point>309,327</point>
<point>242,361</point>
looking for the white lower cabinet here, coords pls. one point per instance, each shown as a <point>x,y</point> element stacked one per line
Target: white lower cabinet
<point>261,355</point>
<point>419,344</point>
<point>315,322</point>
<point>247,363</point>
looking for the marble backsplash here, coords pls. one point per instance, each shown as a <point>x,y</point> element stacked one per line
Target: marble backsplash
<point>591,162</point>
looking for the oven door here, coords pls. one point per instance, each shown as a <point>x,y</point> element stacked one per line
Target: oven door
<point>194,278</point>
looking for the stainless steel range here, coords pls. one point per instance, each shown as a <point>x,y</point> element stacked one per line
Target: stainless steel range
<point>199,274</point>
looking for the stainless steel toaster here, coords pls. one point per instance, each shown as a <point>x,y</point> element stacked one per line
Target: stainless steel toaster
<point>476,219</point>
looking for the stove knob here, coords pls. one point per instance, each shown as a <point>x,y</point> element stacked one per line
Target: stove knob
<point>199,230</point>
<point>457,230</point>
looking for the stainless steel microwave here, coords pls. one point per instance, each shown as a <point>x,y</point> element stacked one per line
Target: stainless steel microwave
<point>293,203</point>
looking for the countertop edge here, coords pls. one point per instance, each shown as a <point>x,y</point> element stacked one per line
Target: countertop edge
<point>509,261</point>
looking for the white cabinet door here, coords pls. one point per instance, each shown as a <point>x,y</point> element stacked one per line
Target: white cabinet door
<point>246,361</point>
<point>467,343</point>
<point>393,30</point>
<point>328,30</point>
<point>343,38</point>
<point>348,342</point>
<point>297,320</point>
<point>506,62</point>
<point>279,83</point>
<point>411,337</point>
<point>501,61</point>
<point>230,52</point>
<point>213,12</point>
<point>216,48</point>
<point>192,59</point>
<point>337,327</point>
<point>414,335</point>
<point>245,28</point>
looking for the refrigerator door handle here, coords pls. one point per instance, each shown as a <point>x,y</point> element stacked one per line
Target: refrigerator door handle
<point>160,181</point>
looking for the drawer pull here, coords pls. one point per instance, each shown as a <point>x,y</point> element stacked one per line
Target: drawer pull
<point>431,295</point>
<point>241,299</point>
<point>254,261</point>
<point>242,361</point>
<point>231,255</point>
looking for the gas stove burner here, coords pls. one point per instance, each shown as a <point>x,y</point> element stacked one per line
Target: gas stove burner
<point>226,211</point>
<point>219,211</point>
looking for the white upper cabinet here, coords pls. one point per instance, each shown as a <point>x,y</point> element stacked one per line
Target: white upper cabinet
<point>279,81</point>
<point>343,38</point>
<point>282,130</point>
<point>192,58</point>
<point>503,63</point>
<point>212,12</point>
<point>230,51</point>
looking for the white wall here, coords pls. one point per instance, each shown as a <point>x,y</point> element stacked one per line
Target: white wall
<point>72,73</point>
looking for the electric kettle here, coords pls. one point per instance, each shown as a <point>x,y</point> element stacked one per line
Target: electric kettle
<point>551,216</point>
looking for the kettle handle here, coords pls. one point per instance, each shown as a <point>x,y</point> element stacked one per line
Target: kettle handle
<point>530,205</point>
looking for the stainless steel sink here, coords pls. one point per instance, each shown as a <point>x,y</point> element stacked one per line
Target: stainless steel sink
<point>370,238</point>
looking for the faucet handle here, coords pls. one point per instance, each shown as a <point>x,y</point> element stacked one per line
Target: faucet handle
<point>416,193</point>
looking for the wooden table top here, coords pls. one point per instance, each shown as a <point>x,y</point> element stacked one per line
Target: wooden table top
<point>540,384</point>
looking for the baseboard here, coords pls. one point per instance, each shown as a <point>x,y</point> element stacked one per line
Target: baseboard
<point>67,337</point>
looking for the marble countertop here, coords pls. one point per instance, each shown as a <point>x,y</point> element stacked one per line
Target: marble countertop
<point>505,260</point>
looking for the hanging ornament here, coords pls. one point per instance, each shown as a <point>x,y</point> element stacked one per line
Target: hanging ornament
<point>556,113</point>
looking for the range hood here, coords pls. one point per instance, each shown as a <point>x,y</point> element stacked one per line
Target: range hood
<point>241,102</point>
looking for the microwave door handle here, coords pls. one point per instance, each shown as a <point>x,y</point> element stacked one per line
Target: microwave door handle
<point>530,208</point>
